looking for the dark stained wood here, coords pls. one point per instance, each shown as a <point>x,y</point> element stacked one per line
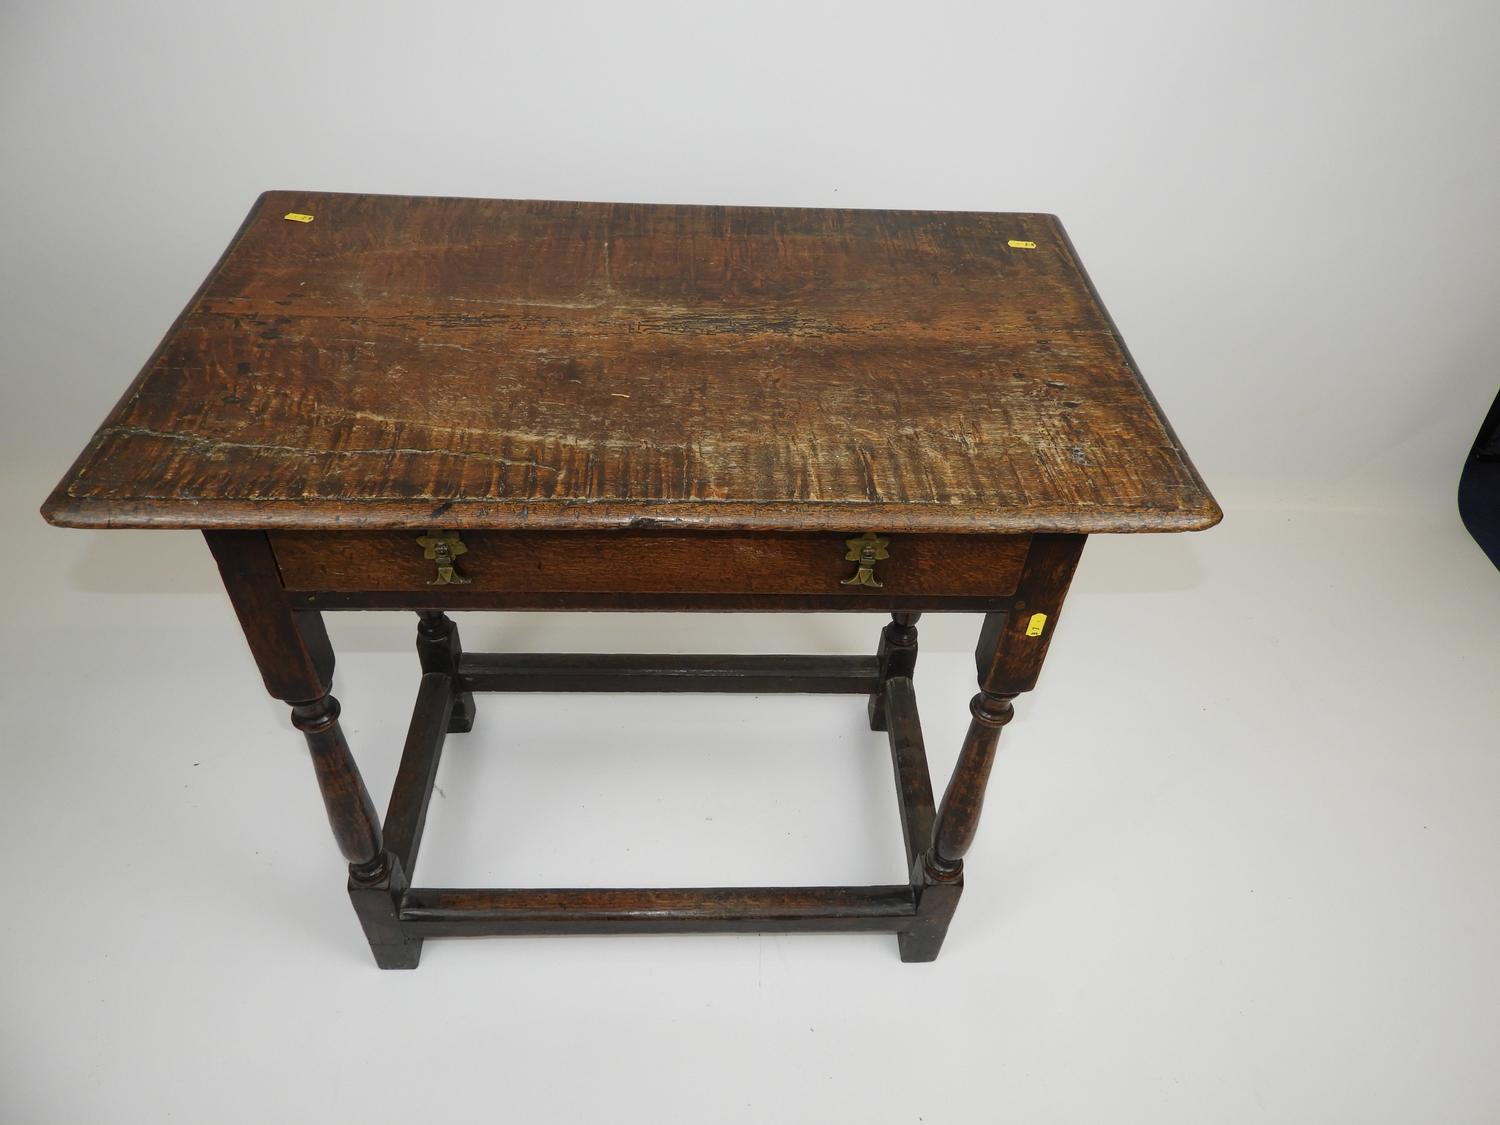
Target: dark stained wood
<point>290,646</point>
<point>462,598</point>
<point>351,813</point>
<point>651,562</point>
<point>406,815</point>
<point>291,649</point>
<point>897,657</point>
<point>936,904</point>
<point>462,913</point>
<point>439,649</point>
<point>377,904</point>
<point>548,671</point>
<point>492,364</point>
<point>909,758</point>
<point>632,407</point>
<point>958,815</point>
<point>1006,659</point>
<point>396,920</point>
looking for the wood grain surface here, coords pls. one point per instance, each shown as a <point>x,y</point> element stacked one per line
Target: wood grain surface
<point>651,562</point>
<point>411,362</point>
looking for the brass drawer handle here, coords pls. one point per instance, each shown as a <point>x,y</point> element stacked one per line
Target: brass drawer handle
<point>444,549</point>
<point>866,550</point>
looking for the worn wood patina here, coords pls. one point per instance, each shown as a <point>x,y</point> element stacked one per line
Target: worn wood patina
<point>441,404</point>
<point>399,362</point>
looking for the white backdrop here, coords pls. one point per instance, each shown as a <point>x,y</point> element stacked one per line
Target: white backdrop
<point>1237,865</point>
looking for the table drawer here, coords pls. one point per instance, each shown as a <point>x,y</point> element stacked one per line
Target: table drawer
<point>647,562</point>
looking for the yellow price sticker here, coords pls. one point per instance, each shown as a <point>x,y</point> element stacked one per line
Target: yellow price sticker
<point>297,217</point>
<point>1035,626</point>
<point>1015,242</point>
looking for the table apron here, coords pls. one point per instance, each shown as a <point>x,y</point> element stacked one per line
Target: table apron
<point>644,569</point>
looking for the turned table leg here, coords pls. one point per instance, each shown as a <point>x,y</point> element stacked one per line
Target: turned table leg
<point>1008,659</point>
<point>295,659</point>
<point>351,813</point>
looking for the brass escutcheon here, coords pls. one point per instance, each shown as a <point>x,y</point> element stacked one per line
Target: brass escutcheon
<point>866,550</point>
<point>443,548</point>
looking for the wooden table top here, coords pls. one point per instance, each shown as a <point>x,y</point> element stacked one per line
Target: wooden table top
<point>407,362</point>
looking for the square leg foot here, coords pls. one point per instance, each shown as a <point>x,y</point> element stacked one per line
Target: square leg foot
<point>403,956</point>
<point>462,719</point>
<point>936,902</point>
<point>377,906</point>
<point>921,945</point>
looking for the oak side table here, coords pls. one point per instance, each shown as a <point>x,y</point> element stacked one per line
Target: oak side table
<point>382,402</point>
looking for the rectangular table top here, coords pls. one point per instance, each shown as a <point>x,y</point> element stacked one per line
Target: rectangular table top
<point>363,361</point>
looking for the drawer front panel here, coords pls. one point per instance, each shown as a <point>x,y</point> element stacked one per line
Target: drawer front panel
<point>649,562</point>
